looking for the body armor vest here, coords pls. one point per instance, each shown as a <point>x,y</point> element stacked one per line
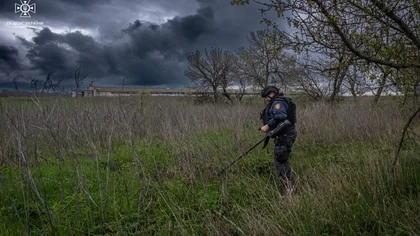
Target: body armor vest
<point>291,109</point>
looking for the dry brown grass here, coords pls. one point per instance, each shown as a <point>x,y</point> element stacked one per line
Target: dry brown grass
<point>145,164</point>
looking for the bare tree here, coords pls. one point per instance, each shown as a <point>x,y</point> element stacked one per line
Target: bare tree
<point>15,83</point>
<point>356,82</point>
<point>239,78</point>
<point>262,60</point>
<point>47,82</point>
<point>384,33</point>
<point>34,87</point>
<point>49,85</point>
<point>385,72</point>
<point>79,79</point>
<point>210,71</point>
<point>123,82</point>
<point>310,79</point>
<point>92,80</point>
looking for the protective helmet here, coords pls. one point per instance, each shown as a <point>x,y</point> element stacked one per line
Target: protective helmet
<point>267,90</point>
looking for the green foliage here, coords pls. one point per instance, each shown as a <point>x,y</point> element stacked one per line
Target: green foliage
<point>180,205</point>
<point>239,2</point>
<point>157,186</point>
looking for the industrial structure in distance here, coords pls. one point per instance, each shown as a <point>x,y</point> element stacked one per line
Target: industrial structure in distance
<point>95,91</point>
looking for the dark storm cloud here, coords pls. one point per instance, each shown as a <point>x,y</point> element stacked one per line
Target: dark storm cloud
<point>171,37</point>
<point>5,5</point>
<point>82,43</point>
<point>139,60</point>
<point>50,57</point>
<point>191,27</point>
<point>133,27</point>
<point>147,52</point>
<point>102,14</point>
<point>24,42</point>
<point>63,53</point>
<point>206,12</point>
<point>45,36</point>
<point>9,60</point>
<point>85,3</point>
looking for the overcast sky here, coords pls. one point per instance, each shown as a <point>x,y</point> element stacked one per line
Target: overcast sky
<point>143,40</point>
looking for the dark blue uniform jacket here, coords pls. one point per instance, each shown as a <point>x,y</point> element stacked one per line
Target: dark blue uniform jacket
<point>277,113</point>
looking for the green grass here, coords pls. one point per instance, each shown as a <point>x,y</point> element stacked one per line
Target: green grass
<point>342,189</point>
<point>158,176</point>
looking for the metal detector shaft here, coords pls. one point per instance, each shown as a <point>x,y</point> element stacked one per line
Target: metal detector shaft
<point>243,154</point>
<point>270,134</point>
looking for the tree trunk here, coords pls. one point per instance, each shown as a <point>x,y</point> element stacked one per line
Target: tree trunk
<point>406,126</point>
<point>337,84</point>
<point>215,100</point>
<point>341,74</point>
<point>380,89</point>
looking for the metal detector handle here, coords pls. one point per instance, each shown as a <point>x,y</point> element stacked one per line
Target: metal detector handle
<point>276,131</point>
<point>273,133</point>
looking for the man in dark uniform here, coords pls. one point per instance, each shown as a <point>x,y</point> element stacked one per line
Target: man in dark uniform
<point>275,112</point>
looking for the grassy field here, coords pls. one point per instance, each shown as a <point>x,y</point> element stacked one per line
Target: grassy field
<point>145,165</point>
